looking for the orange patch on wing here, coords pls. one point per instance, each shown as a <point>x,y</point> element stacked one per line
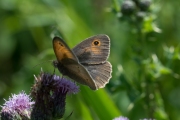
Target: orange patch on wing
<point>62,51</point>
<point>95,47</point>
<point>96,50</point>
<point>65,53</point>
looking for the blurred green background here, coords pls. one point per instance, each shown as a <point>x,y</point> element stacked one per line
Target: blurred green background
<point>145,81</point>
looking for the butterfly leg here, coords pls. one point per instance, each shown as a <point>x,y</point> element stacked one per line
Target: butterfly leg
<point>54,71</point>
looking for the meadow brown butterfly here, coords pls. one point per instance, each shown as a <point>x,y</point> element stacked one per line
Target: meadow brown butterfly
<point>87,62</point>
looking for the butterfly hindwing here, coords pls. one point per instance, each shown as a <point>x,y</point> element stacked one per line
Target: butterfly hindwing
<point>101,73</point>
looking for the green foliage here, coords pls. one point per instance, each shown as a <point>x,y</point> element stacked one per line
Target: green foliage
<point>145,53</point>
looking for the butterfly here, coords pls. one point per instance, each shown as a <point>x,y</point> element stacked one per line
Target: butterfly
<point>87,62</point>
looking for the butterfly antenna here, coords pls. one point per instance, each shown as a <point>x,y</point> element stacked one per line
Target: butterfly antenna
<point>69,115</point>
<point>42,63</point>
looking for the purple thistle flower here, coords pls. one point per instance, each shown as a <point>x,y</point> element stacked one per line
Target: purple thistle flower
<point>17,104</point>
<point>8,114</point>
<point>65,86</point>
<point>121,118</point>
<point>49,92</point>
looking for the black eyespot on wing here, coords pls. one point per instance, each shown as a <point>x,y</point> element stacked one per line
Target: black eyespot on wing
<point>96,42</point>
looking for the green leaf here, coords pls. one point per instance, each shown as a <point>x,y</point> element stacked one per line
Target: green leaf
<point>100,102</point>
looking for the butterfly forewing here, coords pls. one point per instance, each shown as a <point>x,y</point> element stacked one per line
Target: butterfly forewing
<point>62,51</point>
<point>93,50</point>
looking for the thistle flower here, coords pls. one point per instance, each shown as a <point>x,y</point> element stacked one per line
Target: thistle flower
<point>121,118</point>
<point>17,107</point>
<point>49,92</point>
